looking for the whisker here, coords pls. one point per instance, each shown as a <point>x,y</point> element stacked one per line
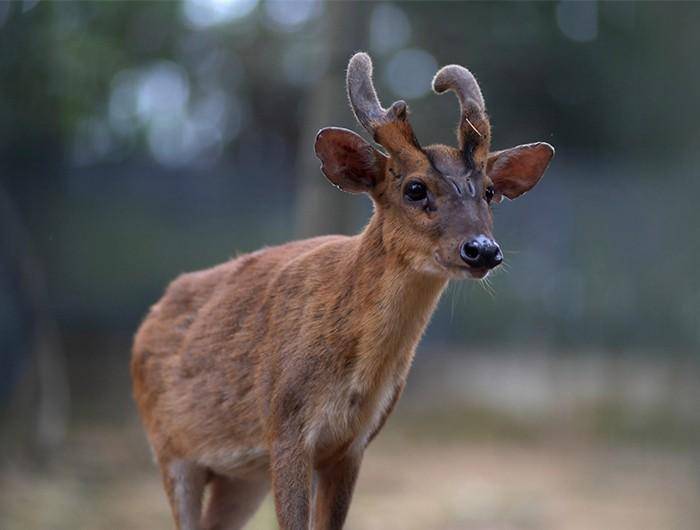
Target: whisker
<point>484,287</point>
<point>462,287</point>
<point>492,289</point>
<point>453,290</point>
<point>488,287</point>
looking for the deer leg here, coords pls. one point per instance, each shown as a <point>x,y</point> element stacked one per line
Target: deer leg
<point>233,501</point>
<point>291,483</point>
<point>184,484</point>
<point>335,484</point>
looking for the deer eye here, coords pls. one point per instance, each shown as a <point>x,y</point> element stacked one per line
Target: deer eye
<point>415,191</point>
<point>489,192</point>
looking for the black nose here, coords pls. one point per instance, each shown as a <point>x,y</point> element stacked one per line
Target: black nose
<point>481,253</point>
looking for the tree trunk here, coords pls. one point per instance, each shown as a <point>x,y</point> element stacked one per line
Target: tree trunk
<point>321,208</point>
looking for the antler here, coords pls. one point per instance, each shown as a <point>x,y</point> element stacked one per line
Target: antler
<point>474,129</point>
<point>389,127</point>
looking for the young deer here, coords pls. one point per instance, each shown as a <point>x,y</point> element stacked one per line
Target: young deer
<point>279,367</point>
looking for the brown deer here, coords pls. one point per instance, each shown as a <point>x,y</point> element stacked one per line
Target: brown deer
<point>277,368</point>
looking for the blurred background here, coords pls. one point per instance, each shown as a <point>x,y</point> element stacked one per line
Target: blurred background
<point>140,140</point>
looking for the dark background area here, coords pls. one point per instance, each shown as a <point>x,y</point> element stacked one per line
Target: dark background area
<point>139,140</point>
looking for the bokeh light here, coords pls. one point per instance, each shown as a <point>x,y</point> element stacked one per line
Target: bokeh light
<point>290,15</point>
<point>578,20</point>
<point>389,28</point>
<point>409,73</point>
<point>206,13</point>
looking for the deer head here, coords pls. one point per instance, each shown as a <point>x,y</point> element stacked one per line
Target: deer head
<point>434,201</point>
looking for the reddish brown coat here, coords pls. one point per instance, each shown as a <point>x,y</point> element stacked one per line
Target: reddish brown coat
<point>281,365</point>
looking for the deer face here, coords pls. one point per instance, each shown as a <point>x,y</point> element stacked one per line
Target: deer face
<point>435,202</point>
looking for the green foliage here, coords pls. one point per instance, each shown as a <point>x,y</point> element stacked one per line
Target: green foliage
<point>120,198</point>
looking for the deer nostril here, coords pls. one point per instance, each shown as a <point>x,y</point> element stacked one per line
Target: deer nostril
<point>470,251</point>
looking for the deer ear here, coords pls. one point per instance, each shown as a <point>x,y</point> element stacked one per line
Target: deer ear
<point>348,161</point>
<point>516,170</point>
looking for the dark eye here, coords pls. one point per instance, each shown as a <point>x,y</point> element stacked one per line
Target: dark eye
<point>489,193</point>
<point>415,191</point>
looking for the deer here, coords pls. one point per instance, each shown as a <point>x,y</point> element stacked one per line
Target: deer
<point>275,370</point>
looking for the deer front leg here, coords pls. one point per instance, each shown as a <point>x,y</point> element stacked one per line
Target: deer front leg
<point>291,483</point>
<point>335,484</point>
<point>184,484</point>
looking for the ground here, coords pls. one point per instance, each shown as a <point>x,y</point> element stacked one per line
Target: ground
<point>104,480</point>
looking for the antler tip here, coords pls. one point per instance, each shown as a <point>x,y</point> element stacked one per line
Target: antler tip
<point>460,80</point>
<point>440,82</point>
<point>360,60</point>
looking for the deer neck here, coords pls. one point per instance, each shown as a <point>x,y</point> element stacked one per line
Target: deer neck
<point>395,301</point>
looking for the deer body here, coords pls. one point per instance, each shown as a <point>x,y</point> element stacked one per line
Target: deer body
<point>341,336</point>
<point>277,368</point>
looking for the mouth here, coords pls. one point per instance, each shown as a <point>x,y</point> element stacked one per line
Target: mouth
<point>462,270</point>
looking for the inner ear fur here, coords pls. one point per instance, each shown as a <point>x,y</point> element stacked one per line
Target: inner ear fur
<point>348,161</point>
<point>516,170</point>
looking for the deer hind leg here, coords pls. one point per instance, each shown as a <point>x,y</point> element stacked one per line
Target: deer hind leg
<point>184,484</point>
<point>233,501</point>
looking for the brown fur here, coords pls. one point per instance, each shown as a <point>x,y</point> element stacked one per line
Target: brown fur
<point>280,366</point>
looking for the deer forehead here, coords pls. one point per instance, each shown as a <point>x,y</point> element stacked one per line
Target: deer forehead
<point>448,161</point>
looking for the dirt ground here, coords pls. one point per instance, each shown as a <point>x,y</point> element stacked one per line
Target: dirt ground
<point>104,480</point>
